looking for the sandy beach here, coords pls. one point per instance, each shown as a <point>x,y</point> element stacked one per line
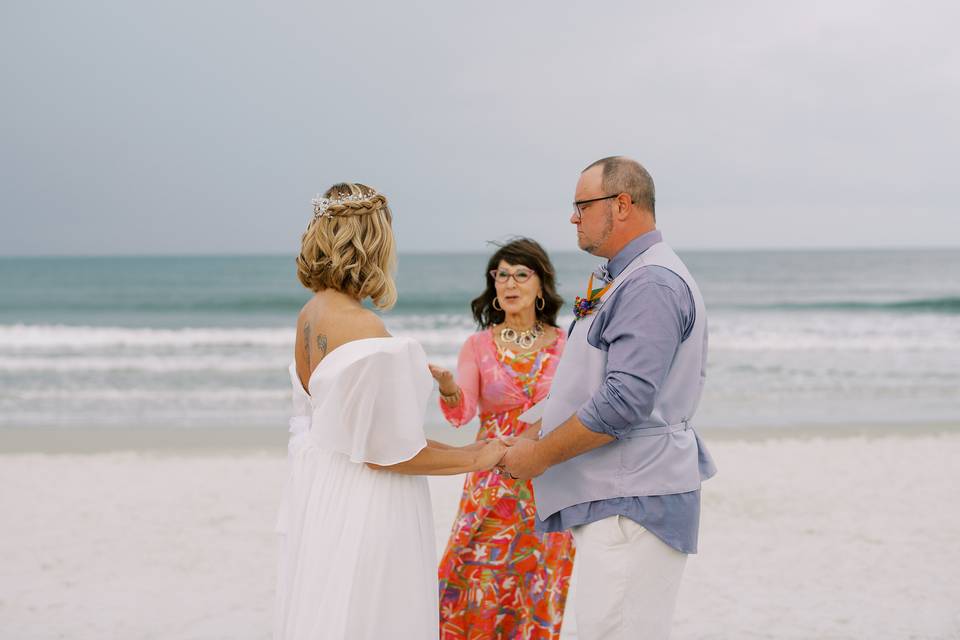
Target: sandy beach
<point>803,536</point>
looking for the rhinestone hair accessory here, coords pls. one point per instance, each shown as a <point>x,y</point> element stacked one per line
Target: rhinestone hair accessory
<point>321,206</point>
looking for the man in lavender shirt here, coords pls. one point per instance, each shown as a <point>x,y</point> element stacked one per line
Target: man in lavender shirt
<point>618,462</point>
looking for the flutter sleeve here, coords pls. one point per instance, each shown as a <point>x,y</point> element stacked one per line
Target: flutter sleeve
<point>468,378</point>
<point>374,408</point>
<point>300,419</point>
<point>301,415</point>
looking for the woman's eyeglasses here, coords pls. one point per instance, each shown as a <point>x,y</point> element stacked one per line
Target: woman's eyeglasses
<point>502,275</point>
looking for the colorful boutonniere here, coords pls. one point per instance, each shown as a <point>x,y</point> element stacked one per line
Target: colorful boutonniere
<point>582,307</point>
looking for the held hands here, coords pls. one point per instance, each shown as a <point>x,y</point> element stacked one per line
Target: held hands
<point>489,453</point>
<point>511,456</point>
<point>521,460</point>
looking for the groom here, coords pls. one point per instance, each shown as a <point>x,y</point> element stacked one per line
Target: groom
<point>618,462</point>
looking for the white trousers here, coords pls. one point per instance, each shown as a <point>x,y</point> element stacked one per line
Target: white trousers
<point>627,581</point>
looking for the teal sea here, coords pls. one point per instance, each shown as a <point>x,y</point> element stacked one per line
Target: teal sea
<point>796,338</point>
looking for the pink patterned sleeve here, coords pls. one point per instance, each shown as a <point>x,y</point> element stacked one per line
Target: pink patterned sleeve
<point>468,377</point>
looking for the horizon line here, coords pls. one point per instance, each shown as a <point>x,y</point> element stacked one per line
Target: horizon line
<point>473,252</point>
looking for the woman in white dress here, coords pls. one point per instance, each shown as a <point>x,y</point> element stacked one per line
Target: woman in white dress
<point>358,554</point>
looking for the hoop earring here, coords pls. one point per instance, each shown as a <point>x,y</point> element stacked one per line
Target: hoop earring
<point>541,303</point>
<point>495,301</point>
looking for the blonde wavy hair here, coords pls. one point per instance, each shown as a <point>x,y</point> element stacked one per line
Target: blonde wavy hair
<point>349,246</point>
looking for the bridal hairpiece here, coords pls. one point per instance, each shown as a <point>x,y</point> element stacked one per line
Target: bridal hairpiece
<point>321,206</point>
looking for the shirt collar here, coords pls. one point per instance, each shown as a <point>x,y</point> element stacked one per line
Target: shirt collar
<point>635,247</point>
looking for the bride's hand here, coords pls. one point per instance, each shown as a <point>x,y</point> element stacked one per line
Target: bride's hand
<point>480,444</point>
<point>444,378</point>
<point>490,455</point>
<point>475,446</point>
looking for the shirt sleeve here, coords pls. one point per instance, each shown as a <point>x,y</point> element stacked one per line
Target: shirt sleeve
<point>643,325</point>
<point>468,377</point>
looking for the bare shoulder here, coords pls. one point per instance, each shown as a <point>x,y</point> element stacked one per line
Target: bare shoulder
<point>330,320</point>
<point>303,316</point>
<point>301,348</point>
<point>364,323</point>
<point>309,311</point>
<point>307,321</point>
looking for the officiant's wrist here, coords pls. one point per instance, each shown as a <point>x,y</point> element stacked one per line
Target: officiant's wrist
<point>451,399</point>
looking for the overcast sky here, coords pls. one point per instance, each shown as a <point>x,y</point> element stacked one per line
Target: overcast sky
<point>196,127</point>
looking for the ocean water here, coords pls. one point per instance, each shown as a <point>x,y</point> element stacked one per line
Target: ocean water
<point>796,338</point>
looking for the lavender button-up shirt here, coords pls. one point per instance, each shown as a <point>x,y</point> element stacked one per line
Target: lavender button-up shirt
<point>640,326</point>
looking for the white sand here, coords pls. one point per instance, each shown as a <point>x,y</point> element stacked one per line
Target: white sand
<point>801,538</point>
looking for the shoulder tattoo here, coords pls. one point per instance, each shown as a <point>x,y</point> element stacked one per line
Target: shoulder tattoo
<point>322,344</point>
<point>306,341</point>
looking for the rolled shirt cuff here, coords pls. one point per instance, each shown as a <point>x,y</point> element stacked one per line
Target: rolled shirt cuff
<point>590,418</point>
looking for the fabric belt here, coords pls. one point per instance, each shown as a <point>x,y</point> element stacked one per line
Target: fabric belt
<point>643,432</point>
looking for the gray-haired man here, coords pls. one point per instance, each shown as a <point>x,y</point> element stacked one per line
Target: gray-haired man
<point>618,462</point>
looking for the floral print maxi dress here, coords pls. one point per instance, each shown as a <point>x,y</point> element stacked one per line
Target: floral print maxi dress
<point>498,577</point>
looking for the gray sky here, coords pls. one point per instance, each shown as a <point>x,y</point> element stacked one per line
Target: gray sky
<point>185,127</point>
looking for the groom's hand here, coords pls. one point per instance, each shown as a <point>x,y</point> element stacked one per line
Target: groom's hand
<point>521,460</point>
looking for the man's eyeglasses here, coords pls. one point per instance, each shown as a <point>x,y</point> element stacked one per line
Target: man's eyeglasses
<point>502,275</point>
<point>578,204</point>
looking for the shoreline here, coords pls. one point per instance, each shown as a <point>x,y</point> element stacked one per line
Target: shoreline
<point>243,440</point>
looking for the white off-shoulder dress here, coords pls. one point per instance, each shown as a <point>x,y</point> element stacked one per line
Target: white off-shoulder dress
<point>358,554</point>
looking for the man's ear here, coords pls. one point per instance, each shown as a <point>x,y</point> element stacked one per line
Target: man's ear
<point>623,204</point>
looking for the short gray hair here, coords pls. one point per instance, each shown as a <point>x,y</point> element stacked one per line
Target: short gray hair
<point>623,175</point>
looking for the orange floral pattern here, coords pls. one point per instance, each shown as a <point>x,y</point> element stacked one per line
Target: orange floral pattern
<point>499,578</point>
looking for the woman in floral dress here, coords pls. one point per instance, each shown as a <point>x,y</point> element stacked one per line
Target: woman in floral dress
<point>499,578</point>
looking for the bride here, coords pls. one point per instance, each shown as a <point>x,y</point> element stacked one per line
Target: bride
<point>358,555</point>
